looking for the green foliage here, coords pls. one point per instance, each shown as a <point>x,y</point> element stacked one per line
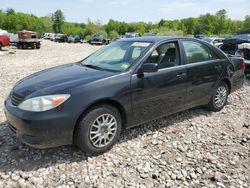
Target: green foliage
<point>165,31</point>
<point>72,29</point>
<point>120,27</point>
<point>208,24</point>
<point>247,23</point>
<point>113,35</point>
<point>58,20</point>
<point>92,28</point>
<point>87,38</point>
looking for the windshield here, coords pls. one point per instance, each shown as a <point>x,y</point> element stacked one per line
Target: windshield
<point>118,56</point>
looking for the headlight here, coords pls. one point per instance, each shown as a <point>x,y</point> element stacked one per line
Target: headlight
<point>43,103</point>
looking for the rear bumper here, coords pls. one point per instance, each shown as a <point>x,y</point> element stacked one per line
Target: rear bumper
<point>248,67</point>
<point>40,130</point>
<point>96,42</point>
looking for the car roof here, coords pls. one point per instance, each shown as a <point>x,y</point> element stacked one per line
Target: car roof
<point>151,39</point>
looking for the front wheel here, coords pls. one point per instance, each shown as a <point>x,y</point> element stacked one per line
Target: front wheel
<point>219,98</point>
<point>98,130</point>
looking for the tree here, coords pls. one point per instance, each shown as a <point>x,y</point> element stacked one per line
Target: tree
<point>58,20</point>
<point>247,23</point>
<point>221,14</point>
<point>113,35</point>
<point>10,11</point>
<point>221,23</point>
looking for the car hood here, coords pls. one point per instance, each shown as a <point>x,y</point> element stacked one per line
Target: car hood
<point>58,79</point>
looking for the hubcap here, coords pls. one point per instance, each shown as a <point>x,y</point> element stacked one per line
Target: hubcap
<point>220,97</point>
<point>103,130</point>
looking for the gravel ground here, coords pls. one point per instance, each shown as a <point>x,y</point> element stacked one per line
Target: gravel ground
<point>194,148</point>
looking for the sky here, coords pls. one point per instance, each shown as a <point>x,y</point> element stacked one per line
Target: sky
<point>129,10</point>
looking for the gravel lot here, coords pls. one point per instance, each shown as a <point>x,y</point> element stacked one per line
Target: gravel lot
<point>195,148</point>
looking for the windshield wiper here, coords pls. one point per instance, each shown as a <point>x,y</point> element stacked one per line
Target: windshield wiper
<point>99,68</point>
<point>92,66</point>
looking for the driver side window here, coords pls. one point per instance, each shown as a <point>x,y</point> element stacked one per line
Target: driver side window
<point>166,55</point>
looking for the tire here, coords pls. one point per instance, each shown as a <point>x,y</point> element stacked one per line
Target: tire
<point>19,46</point>
<point>38,45</point>
<point>0,46</point>
<point>92,121</point>
<point>219,97</point>
<point>24,46</point>
<point>33,45</point>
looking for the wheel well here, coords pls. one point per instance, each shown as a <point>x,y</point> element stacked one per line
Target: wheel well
<point>111,102</point>
<point>228,84</point>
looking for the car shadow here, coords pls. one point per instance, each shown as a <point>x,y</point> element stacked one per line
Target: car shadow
<point>15,155</point>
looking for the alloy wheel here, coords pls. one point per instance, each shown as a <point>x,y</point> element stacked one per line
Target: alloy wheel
<point>220,96</point>
<point>103,130</point>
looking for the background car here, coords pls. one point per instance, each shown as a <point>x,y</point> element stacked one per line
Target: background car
<point>99,39</point>
<point>61,38</point>
<point>244,51</point>
<point>47,35</point>
<point>53,36</point>
<point>74,39</point>
<point>245,37</point>
<point>230,46</point>
<point>131,35</point>
<point>199,36</point>
<point>4,41</point>
<point>214,41</point>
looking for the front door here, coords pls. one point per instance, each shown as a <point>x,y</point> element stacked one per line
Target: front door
<point>159,93</point>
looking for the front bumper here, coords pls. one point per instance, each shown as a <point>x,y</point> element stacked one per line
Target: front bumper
<point>40,129</point>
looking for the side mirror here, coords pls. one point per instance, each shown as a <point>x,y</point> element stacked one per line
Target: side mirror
<point>149,67</point>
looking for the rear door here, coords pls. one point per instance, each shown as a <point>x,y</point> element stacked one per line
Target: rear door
<point>159,93</point>
<point>204,69</point>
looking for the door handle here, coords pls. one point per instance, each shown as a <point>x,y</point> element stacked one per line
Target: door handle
<point>181,75</point>
<point>218,67</point>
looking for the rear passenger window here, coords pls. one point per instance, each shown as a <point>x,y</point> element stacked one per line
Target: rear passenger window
<point>197,52</point>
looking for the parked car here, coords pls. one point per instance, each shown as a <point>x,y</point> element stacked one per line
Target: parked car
<point>61,38</point>
<point>199,36</point>
<point>4,41</point>
<point>131,35</point>
<point>244,51</point>
<point>230,46</point>
<point>48,35</point>
<point>214,41</point>
<point>54,35</point>
<point>245,37</point>
<point>74,39</point>
<point>27,39</point>
<point>122,85</point>
<point>99,39</point>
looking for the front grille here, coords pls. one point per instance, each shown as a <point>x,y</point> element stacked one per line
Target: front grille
<point>16,99</point>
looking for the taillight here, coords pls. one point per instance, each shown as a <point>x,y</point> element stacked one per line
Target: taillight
<point>244,65</point>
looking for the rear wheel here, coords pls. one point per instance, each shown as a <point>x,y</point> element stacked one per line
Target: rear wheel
<point>0,46</point>
<point>33,45</point>
<point>219,98</point>
<point>98,130</point>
